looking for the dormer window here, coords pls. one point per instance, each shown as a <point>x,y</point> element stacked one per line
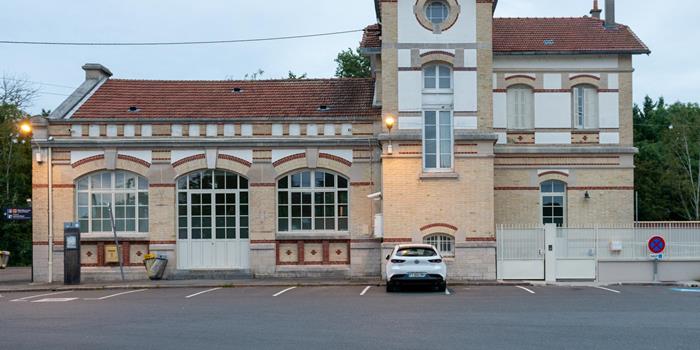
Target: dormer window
<point>437,12</point>
<point>323,108</point>
<point>134,109</point>
<point>237,90</point>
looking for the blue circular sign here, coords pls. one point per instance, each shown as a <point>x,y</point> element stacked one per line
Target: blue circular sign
<point>657,244</point>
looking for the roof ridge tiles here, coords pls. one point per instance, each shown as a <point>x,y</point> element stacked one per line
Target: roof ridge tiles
<point>240,80</point>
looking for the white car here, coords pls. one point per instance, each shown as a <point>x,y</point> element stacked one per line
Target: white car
<point>415,264</point>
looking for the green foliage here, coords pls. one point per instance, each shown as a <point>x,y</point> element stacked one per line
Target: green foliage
<point>668,163</point>
<point>352,64</point>
<point>15,185</point>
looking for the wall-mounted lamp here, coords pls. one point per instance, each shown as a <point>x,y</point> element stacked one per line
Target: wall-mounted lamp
<point>587,196</point>
<point>390,121</point>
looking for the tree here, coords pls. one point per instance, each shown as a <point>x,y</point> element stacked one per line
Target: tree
<point>16,92</point>
<point>352,64</point>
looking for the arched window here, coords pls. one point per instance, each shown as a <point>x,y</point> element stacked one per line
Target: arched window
<point>553,195</point>
<point>445,244</point>
<point>437,77</point>
<point>126,193</point>
<point>521,107</point>
<point>437,12</point>
<point>212,204</point>
<point>585,107</point>
<point>312,200</point>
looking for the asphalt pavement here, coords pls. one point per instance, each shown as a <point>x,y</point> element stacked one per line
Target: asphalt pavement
<point>354,317</point>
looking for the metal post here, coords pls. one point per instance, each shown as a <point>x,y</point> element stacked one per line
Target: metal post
<point>116,241</point>
<point>636,206</point>
<point>50,243</point>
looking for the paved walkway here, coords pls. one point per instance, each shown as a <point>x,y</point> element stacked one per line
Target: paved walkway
<point>15,275</point>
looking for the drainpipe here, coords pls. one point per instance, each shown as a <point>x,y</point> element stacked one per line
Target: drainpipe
<point>50,164</point>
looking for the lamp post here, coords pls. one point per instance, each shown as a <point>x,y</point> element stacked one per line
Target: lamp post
<point>390,121</point>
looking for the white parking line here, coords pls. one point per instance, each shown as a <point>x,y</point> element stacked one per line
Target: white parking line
<point>202,292</point>
<point>608,289</point>
<point>283,291</point>
<point>365,290</point>
<point>447,291</point>
<point>525,289</point>
<point>54,300</point>
<point>116,295</point>
<point>41,295</point>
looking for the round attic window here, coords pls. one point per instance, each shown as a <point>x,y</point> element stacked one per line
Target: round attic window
<point>437,15</point>
<point>437,12</point>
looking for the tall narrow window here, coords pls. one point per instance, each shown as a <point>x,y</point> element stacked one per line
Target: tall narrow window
<point>312,201</point>
<point>585,107</point>
<point>437,140</point>
<point>521,107</point>
<point>437,76</point>
<point>553,202</point>
<point>125,192</point>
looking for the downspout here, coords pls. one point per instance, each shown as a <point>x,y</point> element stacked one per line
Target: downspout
<point>50,243</point>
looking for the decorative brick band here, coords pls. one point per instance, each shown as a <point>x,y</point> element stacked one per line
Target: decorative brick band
<point>189,159</point>
<point>464,69</point>
<point>335,158</point>
<point>397,240</point>
<point>162,185</point>
<point>480,239</point>
<point>521,76</point>
<point>515,188</point>
<point>584,76</point>
<point>436,52</point>
<point>235,159</point>
<point>361,184</point>
<point>134,160</point>
<point>162,242</point>
<point>262,184</point>
<point>602,188</point>
<point>289,159</point>
<point>439,224</point>
<point>54,186</point>
<point>262,241</point>
<point>88,160</point>
<point>553,173</point>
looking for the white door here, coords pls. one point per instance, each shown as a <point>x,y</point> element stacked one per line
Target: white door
<point>213,221</point>
<point>520,254</point>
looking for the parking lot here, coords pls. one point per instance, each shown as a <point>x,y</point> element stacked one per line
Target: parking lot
<point>355,317</point>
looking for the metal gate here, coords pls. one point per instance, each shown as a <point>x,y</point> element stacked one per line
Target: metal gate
<point>576,254</point>
<point>521,253</point>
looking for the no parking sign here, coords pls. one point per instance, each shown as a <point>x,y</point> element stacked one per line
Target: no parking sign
<point>657,245</point>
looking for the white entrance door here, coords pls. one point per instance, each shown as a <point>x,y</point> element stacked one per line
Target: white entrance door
<point>213,221</point>
<point>520,254</point>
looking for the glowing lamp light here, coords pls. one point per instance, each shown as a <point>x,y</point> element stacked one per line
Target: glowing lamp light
<point>390,121</point>
<point>25,128</point>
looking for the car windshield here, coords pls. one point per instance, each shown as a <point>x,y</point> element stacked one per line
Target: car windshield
<point>416,252</point>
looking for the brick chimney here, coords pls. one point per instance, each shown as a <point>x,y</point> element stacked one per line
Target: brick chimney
<point>610,14</point>
<point>596,11</point>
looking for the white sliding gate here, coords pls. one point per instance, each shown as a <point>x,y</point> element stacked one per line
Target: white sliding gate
<point>520,253</point>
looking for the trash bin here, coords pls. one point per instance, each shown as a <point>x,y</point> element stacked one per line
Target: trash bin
<point>155,266</point>
<point>4,258</point>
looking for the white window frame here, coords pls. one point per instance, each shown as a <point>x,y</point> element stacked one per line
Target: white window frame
<point>446,12</point>
<point>443,243</point>
<point>146,130</point>
<point>141,188</point>
<point>438,139</point>
<point>521,107</point>
<point>312,189</point>
<point>436,79</point>
<point>563,195</point>
<point>585,106</point>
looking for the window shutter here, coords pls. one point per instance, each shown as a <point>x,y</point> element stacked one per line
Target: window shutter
<point>591,108</point>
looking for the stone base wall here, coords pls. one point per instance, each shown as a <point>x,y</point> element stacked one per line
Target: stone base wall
<point>40,255</point>
<point>472,261</point>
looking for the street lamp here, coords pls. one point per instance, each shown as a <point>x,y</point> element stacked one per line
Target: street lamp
<point>390,121</point>
<point>25,128</point>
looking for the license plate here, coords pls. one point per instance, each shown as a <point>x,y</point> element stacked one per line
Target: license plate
<point>416,275</point>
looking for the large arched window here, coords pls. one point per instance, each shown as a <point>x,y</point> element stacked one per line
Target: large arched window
<point>125,192</point>
<point>445,244</point>
<point>212,204</point>
<point>585,106</point>
<point>553,202</point>
<point>521,107</point>
<point>312,200</point>
<point>437,77</point>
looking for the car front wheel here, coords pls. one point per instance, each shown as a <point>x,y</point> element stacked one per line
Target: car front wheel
<point>442,287</point>
<point>390,287</point>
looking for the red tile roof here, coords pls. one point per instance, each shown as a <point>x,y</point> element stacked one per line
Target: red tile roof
<point>563,35</point>
<point>372,37</point>
<point>548,35</point>
<point>216,99</point>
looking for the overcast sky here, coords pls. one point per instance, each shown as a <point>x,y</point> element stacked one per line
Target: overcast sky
<point>669,28</point>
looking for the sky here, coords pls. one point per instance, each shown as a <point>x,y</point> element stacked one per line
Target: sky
<point>667,27</point>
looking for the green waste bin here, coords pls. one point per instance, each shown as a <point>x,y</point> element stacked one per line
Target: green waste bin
<point>4,259</point>
<point>155,266</point>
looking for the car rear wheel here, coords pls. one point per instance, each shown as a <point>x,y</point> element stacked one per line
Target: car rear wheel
<point>390,287</point>
<point>442,287</point>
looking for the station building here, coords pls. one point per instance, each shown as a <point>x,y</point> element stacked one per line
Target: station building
<point>498,121</point>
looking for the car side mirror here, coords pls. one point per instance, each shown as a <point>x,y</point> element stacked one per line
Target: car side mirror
<point>388,257</point>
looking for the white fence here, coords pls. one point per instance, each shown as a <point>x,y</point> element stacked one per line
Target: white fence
<point>585,252</point>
